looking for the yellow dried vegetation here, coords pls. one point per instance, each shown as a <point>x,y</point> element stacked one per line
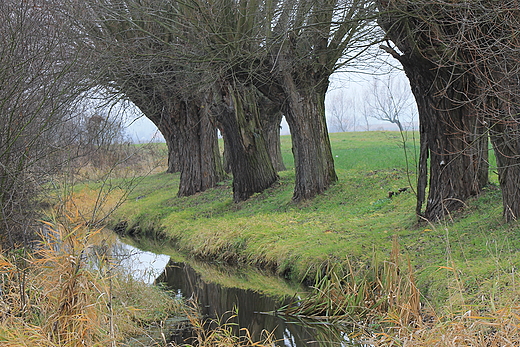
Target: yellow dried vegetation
<point>66,291</point>
<point>463,323</point>
<point>350,294</point>
<point>384,307</point>
<point>219,333</point>
<point>493,329</point>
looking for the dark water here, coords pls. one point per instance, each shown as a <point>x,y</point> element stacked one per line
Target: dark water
<point>245,308</point>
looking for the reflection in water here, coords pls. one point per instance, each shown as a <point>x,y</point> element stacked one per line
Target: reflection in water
<point>143,266</point>
<point>218,301</point>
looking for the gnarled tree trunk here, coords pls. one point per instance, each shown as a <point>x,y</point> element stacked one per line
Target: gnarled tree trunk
<point>248,156</point>
<point>271,116</point>
<point>305,114</point>
<point>451,136</point>
<point>506,144</point>
<point>201,167</point>
<point>171,137</point>
<point>189,134</point>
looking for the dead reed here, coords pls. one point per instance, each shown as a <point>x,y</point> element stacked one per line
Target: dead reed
<point>58,295</point>
<point>494,329</point>
<point>217,333</point>
<point>352,294</point>
<point>385,303</point>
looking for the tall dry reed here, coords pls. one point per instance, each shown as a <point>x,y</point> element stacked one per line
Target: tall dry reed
<point>344,292</point>
<point>67,293</point>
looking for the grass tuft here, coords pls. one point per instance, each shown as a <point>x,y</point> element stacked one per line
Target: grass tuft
<point>349,293</point>
<point>215,332</point>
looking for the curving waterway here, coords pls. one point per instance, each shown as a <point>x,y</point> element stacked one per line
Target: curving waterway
<point>247,308</point>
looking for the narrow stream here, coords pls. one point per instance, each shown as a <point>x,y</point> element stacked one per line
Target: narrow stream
<point>217,301</point>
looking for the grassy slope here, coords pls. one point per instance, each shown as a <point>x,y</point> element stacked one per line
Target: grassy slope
<point>475,254</point>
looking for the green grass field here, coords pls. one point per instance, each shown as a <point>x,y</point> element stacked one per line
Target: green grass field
<point>471,258</point>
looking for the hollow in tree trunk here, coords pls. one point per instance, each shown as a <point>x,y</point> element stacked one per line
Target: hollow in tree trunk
<point>227,151</point>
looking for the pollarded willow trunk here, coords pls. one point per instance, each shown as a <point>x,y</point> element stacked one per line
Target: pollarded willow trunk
<point>160,110</point>
<point>272,134</point>
<point>200,162</point>
<point>453,140</point>
<point>305,114</point>
<point>227,151</point>
<point>190,136</point>
<point>271,117</point>
<point>451,137</point>
<point>249,159</point>
<point>170,136</point>
<point>164,123</point>
<point>506,144</point>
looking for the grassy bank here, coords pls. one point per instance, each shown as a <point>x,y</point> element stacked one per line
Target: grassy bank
<point>470,258</point>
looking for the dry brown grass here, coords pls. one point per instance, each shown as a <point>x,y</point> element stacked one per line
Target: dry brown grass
<point>464,322</point>
<point>222,334</point>
<point>125,160</point>
<point>385,304</point>
<point>353,295</point>
<point>499,328</point>
<point>59,295</point>
<point>91,205</point>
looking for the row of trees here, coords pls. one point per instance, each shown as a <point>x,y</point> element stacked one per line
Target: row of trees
<point>196,66</point>
<point>239,65</point>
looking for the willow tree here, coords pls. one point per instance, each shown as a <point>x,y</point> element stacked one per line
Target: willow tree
<point>288,49</point>
<point>271,117</point>
<point>219,38</point>
<point>190,130</point>
<point>137,60</point>
<point>306,42</point>
<point>492,50</point>
<point>237,111</point>
<point>452,133</point>
<point>172,44</point>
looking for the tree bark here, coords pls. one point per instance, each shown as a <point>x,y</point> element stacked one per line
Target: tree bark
<point>272,134</point>
<point>299,87</point>
<point>249,159</point>
<point>305,114</point>
<point>227,151</point>
<point>451,136</point>
<point>201,167</point>
<point>506,144</point>
<point>271,116</point>
<point>170,136</point>
<point>189,134</point>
